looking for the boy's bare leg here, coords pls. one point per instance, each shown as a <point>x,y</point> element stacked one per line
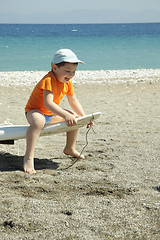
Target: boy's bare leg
<point>37,122</point>
<point>70,148</point>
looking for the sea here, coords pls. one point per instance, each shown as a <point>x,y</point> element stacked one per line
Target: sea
<point>30,47</point>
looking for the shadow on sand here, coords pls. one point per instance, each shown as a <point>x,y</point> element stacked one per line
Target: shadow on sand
<point>10,162</point>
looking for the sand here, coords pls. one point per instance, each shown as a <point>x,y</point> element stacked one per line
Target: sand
<point>114,193</point>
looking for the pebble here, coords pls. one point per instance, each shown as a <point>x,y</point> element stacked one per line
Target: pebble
<point>26,78</point>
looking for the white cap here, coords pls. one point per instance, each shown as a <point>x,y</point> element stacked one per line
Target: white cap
<point>65,55</point>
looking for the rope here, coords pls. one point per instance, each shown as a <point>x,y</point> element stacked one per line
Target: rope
<point>86,144</point>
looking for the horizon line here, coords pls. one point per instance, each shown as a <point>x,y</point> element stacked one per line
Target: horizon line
<point>81,23</point>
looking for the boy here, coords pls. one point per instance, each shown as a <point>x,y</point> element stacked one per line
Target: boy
<point>43,105</point>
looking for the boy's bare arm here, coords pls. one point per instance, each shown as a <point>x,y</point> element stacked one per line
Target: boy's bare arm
<point>75,105</point>
<point>54,108</point>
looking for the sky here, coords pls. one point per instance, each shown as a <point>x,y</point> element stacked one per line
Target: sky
<point>83,11</point>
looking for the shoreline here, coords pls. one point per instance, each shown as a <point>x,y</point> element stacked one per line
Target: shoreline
<point>24,78</point>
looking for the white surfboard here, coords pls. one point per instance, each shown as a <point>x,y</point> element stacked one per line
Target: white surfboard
<point>9,133</point>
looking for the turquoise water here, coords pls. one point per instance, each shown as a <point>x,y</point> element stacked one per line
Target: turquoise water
<point>100,46</point>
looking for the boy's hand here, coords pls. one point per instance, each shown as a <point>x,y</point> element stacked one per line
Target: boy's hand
<point>90,124</point>
<point>70,120</point>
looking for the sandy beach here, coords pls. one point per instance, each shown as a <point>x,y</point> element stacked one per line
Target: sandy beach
<point>114,193</point>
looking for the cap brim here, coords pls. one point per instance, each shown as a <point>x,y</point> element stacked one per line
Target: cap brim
<point>81,62</point>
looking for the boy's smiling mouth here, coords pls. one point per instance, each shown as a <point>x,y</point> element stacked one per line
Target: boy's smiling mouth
<point>66,79</point>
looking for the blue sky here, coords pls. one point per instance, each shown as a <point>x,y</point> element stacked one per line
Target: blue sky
<point>83,11</point>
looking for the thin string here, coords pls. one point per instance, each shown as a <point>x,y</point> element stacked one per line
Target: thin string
<point>86,144</point>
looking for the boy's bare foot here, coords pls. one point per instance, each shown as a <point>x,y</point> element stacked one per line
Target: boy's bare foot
<point>29,166</point>
<point>73,153</point>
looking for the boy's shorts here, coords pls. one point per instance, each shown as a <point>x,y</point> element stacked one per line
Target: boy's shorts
<point>48,118</point>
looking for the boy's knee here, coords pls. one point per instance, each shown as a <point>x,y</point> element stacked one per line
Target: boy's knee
<point>39,124</point>
<point>36,120</point>
<point>72,112</point>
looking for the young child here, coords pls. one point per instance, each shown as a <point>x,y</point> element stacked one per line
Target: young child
<point>43,105</point>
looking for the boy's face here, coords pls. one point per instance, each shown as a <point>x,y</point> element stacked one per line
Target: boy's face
<point>64,73</point>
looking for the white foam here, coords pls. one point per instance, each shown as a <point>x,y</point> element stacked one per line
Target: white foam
<point>26,78</point>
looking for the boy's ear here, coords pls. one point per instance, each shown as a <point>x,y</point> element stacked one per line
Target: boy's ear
<point>54,68</point>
